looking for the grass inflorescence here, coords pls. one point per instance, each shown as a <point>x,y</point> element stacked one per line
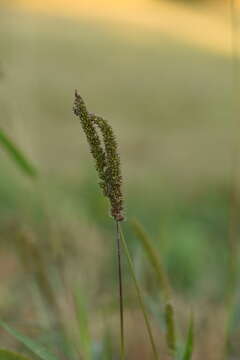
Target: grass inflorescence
<point>105,154</point>
<point>104,150</point>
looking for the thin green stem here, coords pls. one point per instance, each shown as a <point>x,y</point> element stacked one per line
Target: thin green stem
<point>139,294</point>
<point>120,289</point>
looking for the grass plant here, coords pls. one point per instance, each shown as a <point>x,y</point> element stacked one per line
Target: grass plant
<point>107,161</point>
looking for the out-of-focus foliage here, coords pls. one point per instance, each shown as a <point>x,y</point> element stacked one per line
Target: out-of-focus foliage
<point>8,355</point>
<point>33,346</point>
<point>17,155</point>
<point>170,104</point>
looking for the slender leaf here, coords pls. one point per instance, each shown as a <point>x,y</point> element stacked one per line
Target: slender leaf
<point>139,294</point>
<point>190,341</point>
<point>108,347</point>
<point>83,325</point>
<point>153,258</point>
<point>155,261</point>
<point>37,349</point>
<point>9,355</point>
<point>17,155</point>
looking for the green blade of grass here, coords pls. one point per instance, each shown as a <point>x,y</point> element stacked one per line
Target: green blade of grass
<point>35,348</point>
<point>108,347</point>
<point>83,325</point>
<point>163,282</point>
<point>153,258</point>
<point>9,355</point>
<point>17,155</point>
<point>187,355</point>
<point>139,294</point>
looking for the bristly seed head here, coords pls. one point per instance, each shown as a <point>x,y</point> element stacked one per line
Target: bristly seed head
<point>105,154</point>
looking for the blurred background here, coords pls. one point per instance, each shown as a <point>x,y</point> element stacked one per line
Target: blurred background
<point>164,73</point>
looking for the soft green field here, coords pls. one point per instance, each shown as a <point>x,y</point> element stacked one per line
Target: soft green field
<point>171,108</point>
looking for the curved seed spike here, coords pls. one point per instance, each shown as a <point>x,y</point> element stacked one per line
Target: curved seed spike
<point>105,154</point>
<point>113,170</point>
<point>93,139</point>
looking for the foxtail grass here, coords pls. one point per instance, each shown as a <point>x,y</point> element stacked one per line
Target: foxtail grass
<point>103,147</point>
<point>104,151</point>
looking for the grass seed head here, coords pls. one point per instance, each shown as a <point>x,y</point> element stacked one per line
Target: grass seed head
<point>105,153</point>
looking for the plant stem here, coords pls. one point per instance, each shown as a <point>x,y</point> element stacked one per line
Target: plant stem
<point>120,289</point>
<point>139,294</point>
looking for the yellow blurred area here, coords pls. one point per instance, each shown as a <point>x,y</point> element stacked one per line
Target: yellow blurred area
<point>208,28</point>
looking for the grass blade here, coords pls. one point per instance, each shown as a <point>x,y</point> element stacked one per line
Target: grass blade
<point>37,349</point>
<point>153,258</point>
<point>17,155</point>
<point>108,347</point>
<point>9,355</point>
<point>83,325</point>
<point>163,282</point>
<point>190,341</point>
<point>139,294</point>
